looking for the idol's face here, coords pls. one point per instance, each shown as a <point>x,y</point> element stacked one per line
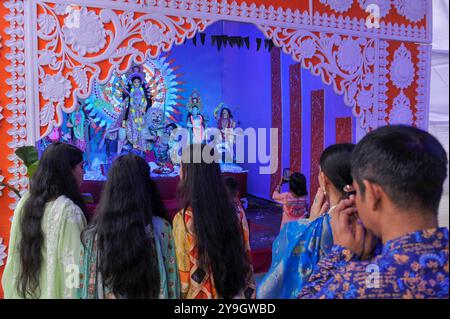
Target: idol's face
<point>225,114</point>
<point>195,111</point>
<point>136,82</point>
<point>169,130</point>
<point>157,117</point>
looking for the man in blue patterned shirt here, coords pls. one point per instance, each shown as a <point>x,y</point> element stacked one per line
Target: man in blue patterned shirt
<point>398,174</point>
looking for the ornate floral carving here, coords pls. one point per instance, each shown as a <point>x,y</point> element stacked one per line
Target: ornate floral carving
<point>55,88</point>
<point>384,5</point>
<point>114,34</point>
<point>402,68</point>
<point>349,55</point>
<point>77,57</point>
<point>86,34</point>
<point>16,106</point>
<point>46,57</point>
<point>338,5</point>
<point>382,81</point>
<point>307,49</point>
<point>423,84</point>
<point>2,178</point>
<point>152,34</point>
<point>365,98</point>
<point>2,252</point>
<point>413,10</point>
<point>386,30</point>
<point>74,53</point>
<point>401,112</point>
<point>349,76</point>
<point>47,23</point>
<point>61,8</point>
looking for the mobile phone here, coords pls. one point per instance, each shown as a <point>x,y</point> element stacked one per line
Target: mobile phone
<point>286,174</point>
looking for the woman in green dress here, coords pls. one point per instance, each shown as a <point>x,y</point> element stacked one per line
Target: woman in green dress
<point>45,235</point>
<point>129,250</point>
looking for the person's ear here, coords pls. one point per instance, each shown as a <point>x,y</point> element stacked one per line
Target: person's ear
<point>373,194</point>
<point>325,180</point>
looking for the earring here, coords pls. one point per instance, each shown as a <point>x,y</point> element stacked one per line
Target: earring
<point>324,192</point>
<point>348,188</point>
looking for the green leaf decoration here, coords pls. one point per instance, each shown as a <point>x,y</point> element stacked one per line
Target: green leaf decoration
<point>32,169</point>
<point>28,154</point>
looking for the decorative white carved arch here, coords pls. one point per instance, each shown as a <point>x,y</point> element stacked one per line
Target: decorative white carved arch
<point>51,62</point>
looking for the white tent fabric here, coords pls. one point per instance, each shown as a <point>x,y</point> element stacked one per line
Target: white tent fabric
<point>439,92</point>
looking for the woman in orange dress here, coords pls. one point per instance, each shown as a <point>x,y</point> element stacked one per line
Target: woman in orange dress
<point>210,245</point>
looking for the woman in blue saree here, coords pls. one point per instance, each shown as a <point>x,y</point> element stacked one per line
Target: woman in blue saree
<point>301,244</point>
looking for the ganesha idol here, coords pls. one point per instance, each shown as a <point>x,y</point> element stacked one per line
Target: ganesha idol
<point>159,134</point>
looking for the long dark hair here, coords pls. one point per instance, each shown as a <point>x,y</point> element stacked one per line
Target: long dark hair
<point>123,225</point>
<point>52,179</point>
<point>335,162</point>
<point>216,224</point>
<point>297,184</point>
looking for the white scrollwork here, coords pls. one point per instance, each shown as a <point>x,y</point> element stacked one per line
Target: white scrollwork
<point>117,35</point>
<point>46,57</point>
<point>402,68</point>
<point>2,178</point>
<point>338,5</point>
<point>349,55</point>
<point>55,88</point>
<point>365,98</point>
<point>47,24</point>
<point>74,52</point>
<point>413,10</point>
<point>307,49</point>
<point>112,36</point>
<point>2,252</point>
<point>382,81</point>
<point>87,35</point>
<point>154,35</point>
<point>383,5</point>
<point>423,83</point>
<point>236,10</point>
<point>16,106</point>
<point>401,112</point>
<point>345,62</point>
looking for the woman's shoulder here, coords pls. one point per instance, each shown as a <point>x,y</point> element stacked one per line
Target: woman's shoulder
<point>22,201</point>
<point>71,211</point>
<point>161,225</point>
<point>183,221</point>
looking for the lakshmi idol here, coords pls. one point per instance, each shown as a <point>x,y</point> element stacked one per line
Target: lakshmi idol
<point>195,121</point>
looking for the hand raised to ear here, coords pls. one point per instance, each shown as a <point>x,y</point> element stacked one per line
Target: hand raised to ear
<point>319,206</point>
<point>347,231</point>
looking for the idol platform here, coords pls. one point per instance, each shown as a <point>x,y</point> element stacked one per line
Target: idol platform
<point>263,217</point>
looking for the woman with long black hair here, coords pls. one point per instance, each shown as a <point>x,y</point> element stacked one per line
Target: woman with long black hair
<point>128,249</point>
<point>302,243</point>
<point>211,255</point>
<point>45,235</point>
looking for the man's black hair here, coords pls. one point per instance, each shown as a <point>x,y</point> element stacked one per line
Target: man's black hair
<point>408,163</point>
